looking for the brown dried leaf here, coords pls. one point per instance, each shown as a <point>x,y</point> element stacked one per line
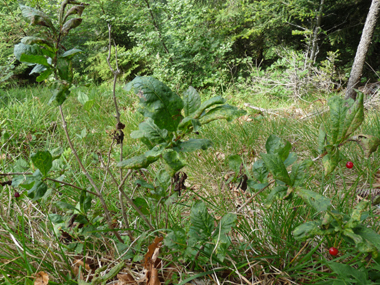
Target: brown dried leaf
<point>154,277</point>
<point>125,279</point>
<point>151,250</point>
<point>42,278</point>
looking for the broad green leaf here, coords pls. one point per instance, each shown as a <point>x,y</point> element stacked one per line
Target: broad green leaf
<point>144,184</point>
<point>330,161</point>
<point>317,201</point>
<point>65,70</point>
<point>347,273</point>
<point>173,159</point>
<point>142,205</point>
<point>202,223</point>
<point>193,145</point>
<point>38,68</point>
<point>298,173</point>
<point>292,157</point>
<point>71,24</point>
<point>70,53</point>
<point>338,112</point>
<point>224,112</point>
<point>43,160</point>
<point>37,17</point>
<point>55,218</point>
<point>137,162</point>
<point>256,186</point>
<point>38,190</point>
<point>26,182</point>
<point>30,40</point>
<point>176,239</point>
<point>276,145</point>
<point>37,59</point>
<point>276,166</point>
<point>44,75</point>
<point>277,193</point>
<point>368,143</point>
<point>322,139</point>
<point>60,94</point>
<point>356,214</point>
<point>158,102</point>
<point>234,163</point>
<point>361,244</point>
<point>156,151</point>
<point>78,9</point>
<point>82,97</point>
<point>151,131</point>
<point>260,171</point>
<point>189,122</point>
<point>88,105</point>
<point>368,234</point>
<point>65,206</point>
<point>21,49</point>
<point>354,118</point>
<point>226,223</point>
<point>207,104</point>
<point>307,230</point>
<point>191,101</point>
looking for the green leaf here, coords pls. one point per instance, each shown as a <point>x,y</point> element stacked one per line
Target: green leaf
<point>30,40</point>
<point>317,201</point>
<point>368,234</point>
<point>331,160</point>
<point>207,104</point>
<point>361,244</point>
<point>37,17</point>
<point>322,139</point>
<point>276,145</point>
<point>260,171</point>
<point>60,95</point>
<point>70,53</point>
<point>21,49</point>
<point>277,193</point>
<point>88,105</point>
<point>173,159</point>
<point>347,272</point>
<point>38,190</point>
<point>356,214</point>
<point>307,230</point>
<point>71,24</point>
<point>44,75</point>
<point>201,223</point>
<point>193,145</point>
<point>65,206</point>
<point>292,157</point>
<point>151,131</point>
<point>338,110</point>
<point>224,112</point>
<point>189,122</point>
<point>82,97</point>
<point>298,173</point>
<point>56,219</point>
<point>37,59</point>
<point>276,166</point>
<point>158,102</point>
<point>226,223</point>
<point>142,205</point>
<point>354,118</point>
<point>368,143</point>
<point>191,101</point>
<point>78,9</point>
<point>43,160</point>
<point>137,162</point>
<point>144,184</point>
<point>38,68</point>
<point>176,239</point>
<point>65,70</point>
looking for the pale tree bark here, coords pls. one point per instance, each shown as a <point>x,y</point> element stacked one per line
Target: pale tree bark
<point>317,28</point>
<point>365,41</point>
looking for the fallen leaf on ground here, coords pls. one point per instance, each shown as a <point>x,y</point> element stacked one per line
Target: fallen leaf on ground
<point>126,279</point>
<point>42,278</point>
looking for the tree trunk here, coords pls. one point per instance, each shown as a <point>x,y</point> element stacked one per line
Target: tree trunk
<point>365,41</point>
<point>317,28</point>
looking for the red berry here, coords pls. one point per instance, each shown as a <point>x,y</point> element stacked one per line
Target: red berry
<point>349,164</point>
<point>333,251</point>
<point>17,194</point>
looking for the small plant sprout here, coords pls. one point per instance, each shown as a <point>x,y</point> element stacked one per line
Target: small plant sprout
<point>349,164</point>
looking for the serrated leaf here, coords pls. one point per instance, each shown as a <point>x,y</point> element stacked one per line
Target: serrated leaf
<point>43,160</point>
<point>207,104</point>
<point>307,230</point>
<point>202,223</point>
<point>176,239</point>
<point>277,193</point>
<point>71,24</point>
<point>38,190</point>
<point>21,49</point>
<point>317,201</point>
<point>224,112</point>
<point>298,172</point>
<point>193,145</point>
<point>276,166</point>
<point>368,143</point>
<point>158,102</point>
<point>276,145</point>
<point>191,101</point>
<point>71,53</point>
<point>173,159</point>
<point>151,131</point>
<point>226,223</point>
<point>330,161</point>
